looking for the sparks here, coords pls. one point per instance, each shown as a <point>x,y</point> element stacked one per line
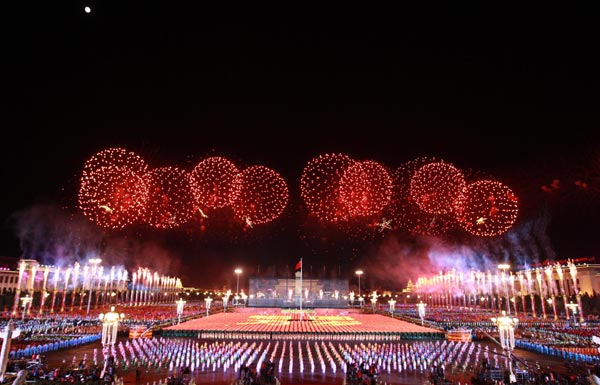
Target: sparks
<point>481,220</point>
<point>106,208</point>
<point>202,213</point>
<point>248,222</point>
<point>385,224</point>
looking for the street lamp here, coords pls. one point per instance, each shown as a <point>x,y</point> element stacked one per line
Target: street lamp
<point>359,273</point>
<point>237,285</point>
<point>7,334</point>
<point>374,300</point>
<point>392,303</point>
<point>506,330</point>
<point>180,302</point>
<point>110,326</point>
<point>94,262</point>
<point>26,301</point>
<point>421,306</point>
<point>573,307</point>
<point>503,267</point>
<point>208,300</point>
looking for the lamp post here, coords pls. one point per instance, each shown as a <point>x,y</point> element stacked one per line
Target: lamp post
<point>506,330</point>
<point>374,300</point>
<point>573,307</point>
<point>237,285</point>
<point>208,300</point>
<point>110,326</point>
<point>26,301</point>
<point>392,303</point>
<point>421,306</point>
<point>359,273</point>
<point>9,333</point>
<point>180,302</point>
<point>226,296</point>
<point>503,267</point>
<point>94,262</point>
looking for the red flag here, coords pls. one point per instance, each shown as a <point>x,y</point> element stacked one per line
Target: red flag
<point>299,265</point>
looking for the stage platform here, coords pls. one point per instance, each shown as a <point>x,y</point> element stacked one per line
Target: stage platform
<point>272,323</point>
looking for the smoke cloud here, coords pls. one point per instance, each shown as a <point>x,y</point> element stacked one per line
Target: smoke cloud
<point>57,237</point>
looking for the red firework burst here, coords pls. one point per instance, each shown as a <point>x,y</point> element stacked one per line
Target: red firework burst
<point>319,186</point>
<point>487,208</point>
<point>263,195</point>
<point>170,201</point>
<point>113,197</point>
<point>212,182</point>
<point>116,157</point>
<point>113,190</point>
<point>436,186</point>
<point>404,212</point>
<point>365,188</point>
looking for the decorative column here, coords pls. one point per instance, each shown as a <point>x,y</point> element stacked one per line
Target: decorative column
<point>573,271</point>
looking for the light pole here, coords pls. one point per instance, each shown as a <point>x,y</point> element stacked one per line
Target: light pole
<point>226,296</point>
<point>180,302</point>
<point>237,285</point>
<point>7,335</point>
<point>208,300</point>
<point>110,326</point>
<point>374,300</point>
<point>94,262</point>
<point>421,306</point>
<point>359,273</point>
<point>392,303</point>
<point>506,330</point>
<point>503,267</point>
<point>26,301</point>
<point>573,307</point>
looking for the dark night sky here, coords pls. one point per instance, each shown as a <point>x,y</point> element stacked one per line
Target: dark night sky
<point>514,99</point>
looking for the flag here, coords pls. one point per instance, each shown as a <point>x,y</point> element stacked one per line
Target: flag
<point>299,265</point>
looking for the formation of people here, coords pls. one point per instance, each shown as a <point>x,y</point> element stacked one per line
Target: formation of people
<point>349,354</point>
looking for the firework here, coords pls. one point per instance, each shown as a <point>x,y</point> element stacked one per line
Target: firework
<point>436,186</point>
<point>319,186</point>
<point>170,202</point>
<point>404,213</point>
<point>116,157</point>
<point>263,195</point>
<point>365,188</point>
<point>487,208</point>
<point>113,190</point>
<point>113,197</point>
<point>212,182</point>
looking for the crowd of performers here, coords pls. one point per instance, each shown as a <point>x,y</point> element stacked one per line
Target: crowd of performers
<point>361,374</point>
<point>248,374</point>
<point>438,360</point>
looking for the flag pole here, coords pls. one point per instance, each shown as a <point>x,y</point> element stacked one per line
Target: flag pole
<point>301,288</point>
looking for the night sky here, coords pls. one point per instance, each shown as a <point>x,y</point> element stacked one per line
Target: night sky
<point>514,101</point>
